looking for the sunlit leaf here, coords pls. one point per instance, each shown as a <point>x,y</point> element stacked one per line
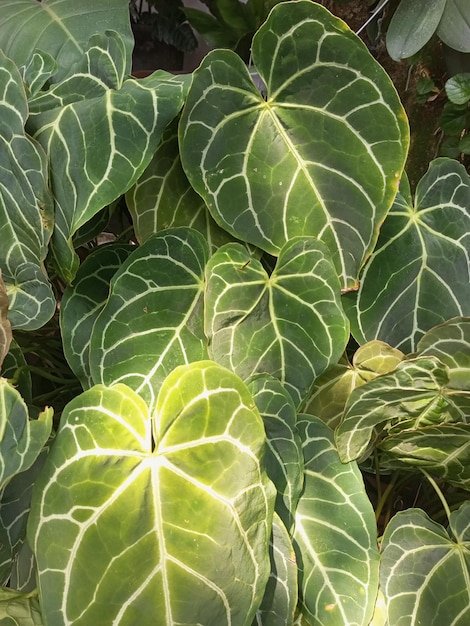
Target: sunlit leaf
<point>20,609</point>
<point>5,326</point>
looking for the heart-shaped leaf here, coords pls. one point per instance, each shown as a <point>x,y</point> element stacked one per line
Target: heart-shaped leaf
<point>420,272</point>
<point>152,320</point>
<point>132,513</point>
<point>61,28</point>
<point>15,368</point>
<point>335,535</point>
<point>425,569</point>
<point>290,324</point>
<point>321,156</point>
<point>26,209</point>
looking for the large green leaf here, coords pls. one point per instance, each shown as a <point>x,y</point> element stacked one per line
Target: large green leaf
<point>290,324</point>
<point>413,396</point>
<point>420,272</point>
<point>16,370</point>
<point>61,28</point>
<point>425,569</point>
<point>152,321</point>
<point>82,303</point>
<point>97,148</point>
<point>26,210</point>
<point>412,26</point>
<point>158,519</point>
<point>335,536</point>
<point>321,156</point>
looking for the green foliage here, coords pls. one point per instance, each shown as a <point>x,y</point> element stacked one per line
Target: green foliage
<point>225,440</point>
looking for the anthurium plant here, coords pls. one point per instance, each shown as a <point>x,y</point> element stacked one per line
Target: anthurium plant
<point>263,415</point>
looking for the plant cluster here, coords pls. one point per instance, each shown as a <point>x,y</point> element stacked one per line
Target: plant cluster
<point>254,377</point>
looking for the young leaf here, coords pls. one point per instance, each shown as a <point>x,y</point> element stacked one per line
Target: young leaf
<point>161,519</point>
<point>20,609</point>
<point>321,156</point>
<point>425,569</point>
<point>5,326</point>
<point>420,272</point>
<point>335,535</point>
<point>152,320</point>
<point>26,209</point>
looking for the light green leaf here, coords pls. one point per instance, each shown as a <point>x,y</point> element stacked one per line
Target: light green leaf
<point>458,88</point>
<point>61,28</point>
<point>454,27</point>
<point>442,450</point>
<point>284,459</point>
<point>19,609</point>
<point>98,147</point>
<point>450,343</point>
<point>280,595</point>
<point>425,569</point>
<point>82,303</point>
<point>5,326</point>
<point>415,395</point>
<point>152,321</point>
<point>332,389</point>
<point>420,272</point>
<point>163,198</point>
<point>321,156</point>
<point>26,209</point>
<point>412,26</point>
<point>335,536</point>
<point>169,515</point>
<point>290,324</point>
<point>15,369</point>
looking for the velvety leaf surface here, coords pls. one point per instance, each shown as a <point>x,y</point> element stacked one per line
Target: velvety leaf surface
<point>335,536</point>
<point>425,569</point>
<point>332,389</point>
<point>450,343</point>
<point>420,272</point>
<point>321,156</point>
<point>5,326</point>
<point>132,513</point>
<point>98,146</point>
<point>414,396</point>
<point>26,209</point>
<point>290,324</point>
<point>163,198</point>
<point>82,303</point>
<point>284,458</point>
<point>61,28</point>
<point>152,321</point>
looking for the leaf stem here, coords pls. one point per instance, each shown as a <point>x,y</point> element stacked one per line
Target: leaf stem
<point>439,492</point>
<point>384,496</point>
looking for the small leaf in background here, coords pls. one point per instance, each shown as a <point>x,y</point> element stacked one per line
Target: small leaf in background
<point>290,324</point>
<point>163,198</point>
<point>61,28</point>
<point>454,27</point>
<point>425,569</point>
<point>411,397</point>
<point>419,274</point>
<point>5,326</point>
<point>335,535</point>
<point>26,209</point>
<point>130,528</point>
<point>412,26</point>
<point>307,161</point>
<point>450,343</point>
<point>458,88</point>
<point>284,459</point>
<point>332,389</point>
<point>152,321</point>
<point>82,303</point>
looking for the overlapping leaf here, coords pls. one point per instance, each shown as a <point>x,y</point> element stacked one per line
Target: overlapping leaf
<point>163,198</point>
<point>82,303</point>
<point>425,569</point>
<point>290,324</point>
<point>98,147</point>
<point>15,368</point>
<point>5,326</point>
<point>414,396</point>
<point>322,155</point>
<point>331,390</point>
<point>20,609</point>
<point>163,519</point>
<point>335,536</point>
<point>420,271</point>
<point>152,321</point>
<point>61,28</point>
<point>26,210</point>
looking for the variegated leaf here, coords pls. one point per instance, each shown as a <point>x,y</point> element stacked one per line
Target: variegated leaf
<point>321,156</point>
